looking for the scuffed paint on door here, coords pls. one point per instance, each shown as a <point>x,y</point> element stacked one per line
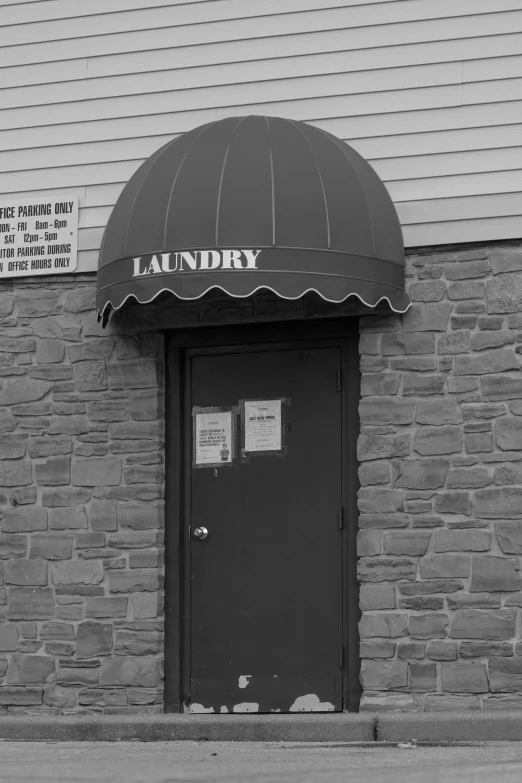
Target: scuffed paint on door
<point>244,680</point>
<point>200,709</point>
<point>311,703</point>
<point>246,706</point>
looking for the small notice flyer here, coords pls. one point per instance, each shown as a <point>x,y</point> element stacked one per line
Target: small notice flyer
<point>213,438</point>
<point>262,425</point>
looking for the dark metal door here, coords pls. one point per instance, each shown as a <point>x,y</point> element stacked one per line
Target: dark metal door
<point>265,587</point>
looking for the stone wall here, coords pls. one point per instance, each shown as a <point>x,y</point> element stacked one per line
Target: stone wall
<point>81,488</point>
<point>441,488</point>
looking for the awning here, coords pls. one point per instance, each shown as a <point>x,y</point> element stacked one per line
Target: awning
<point>248,203</point>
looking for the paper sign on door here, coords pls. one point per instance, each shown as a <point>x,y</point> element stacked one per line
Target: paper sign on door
<point>262,424</point>
<point>214,438</point>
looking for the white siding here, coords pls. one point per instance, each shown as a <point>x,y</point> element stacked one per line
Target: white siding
<point>429,91</point>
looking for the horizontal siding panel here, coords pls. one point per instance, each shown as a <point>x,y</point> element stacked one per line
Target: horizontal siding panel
<point>228,13</point>
<point>335,24</point>
<point>451,209</point>
<point>484,70</point>
<point>415,122</point>
<point>68,176</point>
<point>483,230</point>
<point>491,92</point>
<point>87,261</point>
<point>390,156</point>
<point>344,105</point>
<point>232,94</point>
<point>307,52</point>
<point>258,62</point>
<point>448,164</point>
<point>459,185</point>
<point>117,15</point>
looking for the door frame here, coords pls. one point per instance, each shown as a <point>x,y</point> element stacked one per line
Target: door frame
<point>179,346</point>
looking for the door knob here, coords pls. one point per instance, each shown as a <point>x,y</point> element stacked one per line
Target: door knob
<point>201,533</point>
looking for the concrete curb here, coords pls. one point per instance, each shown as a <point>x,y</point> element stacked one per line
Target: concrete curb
<point>196,728</point>
<point>361,729</point>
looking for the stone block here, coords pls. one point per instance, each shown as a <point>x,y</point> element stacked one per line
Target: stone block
<point>509,535</point>
<point>368,543</point>
<point>69,425</point>
<point>104,515</point>
<point>499,387</point>
<point>397,343</point>
<point>108,410</point>
<point>507,703</point>
<point>486,649</point>
<point>380,383</point>
<point>54,471</point>
<point>51,546</point>
<point>492,574</point>
<point>30,669</point>
<point>482,341</point>
<point>12,446</point>
<point>77,676</point>
<point>422,603</point>
<point>495,503</point>
<point>467,269</point>
<point>109,606</point>
<point>462,540</point>
<point>8,638</point>
<point>478,442</point>
<point>130,642</point>
<point>421,521</point>
<point>428,626</point>
<point>59,697</point>
<point>23,390</point>
<point>129,670</point>
<point>57,631</point>
<point>411,542</point>
<point>76,572</point>
<point>496,361</point>
<point>422,385</point>
<point>443,566</point>
<point>144,474</point>
<point>12,546</point>
<point>387,702</point>
<point>385,569</point>
<point>496,625</point>
<point>483,411</point>
<point>20,696</point>
<point>453,503</point>
<point>23,496</point>
<point>505,675</point>
<point>384,675</point>
<point>504,294</point>
<point>508,432</point>
<point>429,291</point>
<point>423,677</point>
<point>102,471</point>
<point>145,605</point>
<point>30,603</point>
<point>93,639</point>
<point>90,376</point>
<point>371,597</point>
<point>142,374</point>
<point>67,496</point>
<point>414,364</point>
<point>49,351</point>
<point>376,648</point>
<point>134,581</point>
<point>386,625</point>
<point>26,572</point>
<point>8,422</point>
<point>370,447</point>
<point>442,651</point>
<point>69,518</point>
<point>427,317</point>
<point>386,410</point>
<point>429,441</point>
<point>464,677</point>
<point>15,474</point>
<point>23,520</point>
<point>98,350</point>
<point>408,649</point>
<point>146,405</point>
<point>102,697</point>
<point>376,473</point>
<point>454,342</point>
<point>421,473</point>
<point>51,372</point>
<point>80,299</point>
<point>438,411</point>
<point>473,478</point>
<point>466,289</point>
<point>379,501</point>
<point>44,446</point>
<point>374,521</point>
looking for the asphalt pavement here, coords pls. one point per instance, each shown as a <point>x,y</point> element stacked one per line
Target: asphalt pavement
<point>162,762</point>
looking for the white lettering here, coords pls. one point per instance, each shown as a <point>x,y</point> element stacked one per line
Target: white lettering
<point>210,259</point>
<point>154,267</point>
<point>231,257</point>
<point>251,256</point>
<point>189,259</point>
<point>137,272</point>
<point>165,258</point>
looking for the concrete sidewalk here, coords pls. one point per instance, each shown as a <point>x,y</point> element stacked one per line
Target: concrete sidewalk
<point>355,728</point>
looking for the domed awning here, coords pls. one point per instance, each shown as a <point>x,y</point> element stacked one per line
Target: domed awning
<point>253,202</point>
